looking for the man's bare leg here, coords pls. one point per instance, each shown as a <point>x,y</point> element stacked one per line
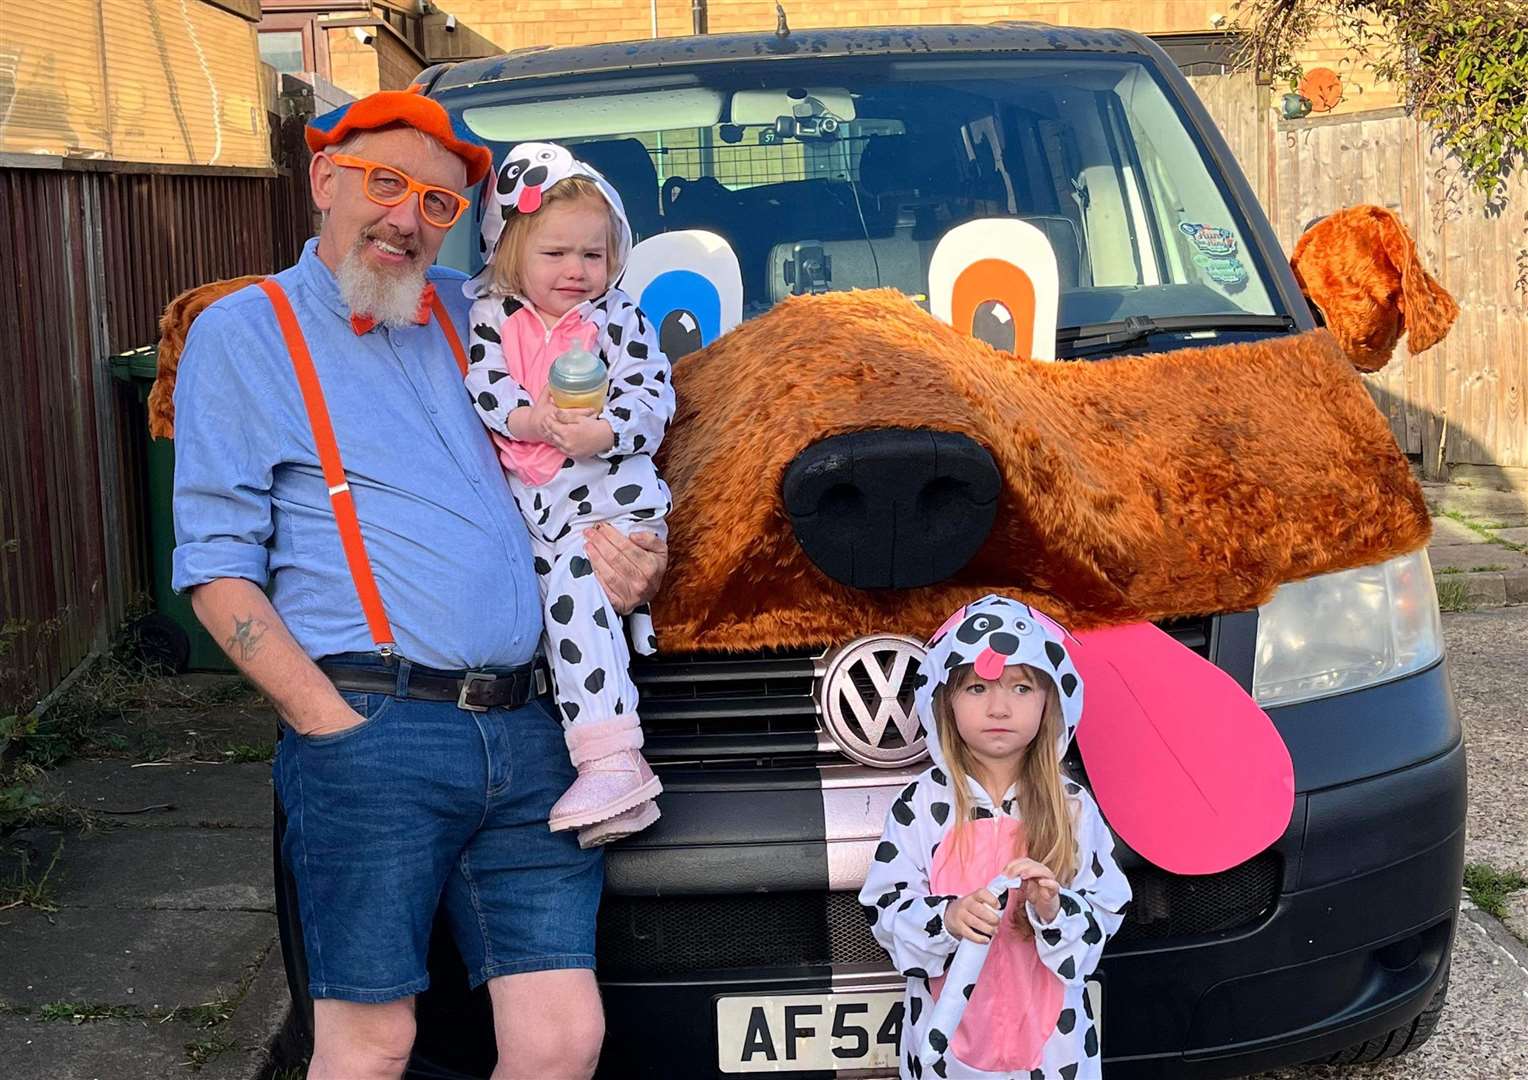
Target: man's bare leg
<point>352,1041</point>
<point>549,1025</point>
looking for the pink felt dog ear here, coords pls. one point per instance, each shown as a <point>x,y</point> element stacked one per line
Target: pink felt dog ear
<point>1186,768</point>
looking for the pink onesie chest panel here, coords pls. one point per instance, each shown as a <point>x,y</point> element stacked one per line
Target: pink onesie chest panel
<point>1017,1000</point>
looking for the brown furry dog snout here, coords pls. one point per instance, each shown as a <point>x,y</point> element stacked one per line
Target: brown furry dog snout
<point>892,508</point>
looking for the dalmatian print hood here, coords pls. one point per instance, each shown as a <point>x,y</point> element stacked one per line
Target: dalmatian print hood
<point>993,633</point>
<point>529,169</point>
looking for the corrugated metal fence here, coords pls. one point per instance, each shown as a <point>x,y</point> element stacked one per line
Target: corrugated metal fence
<point>88,260</point>
<point>1465,401</point>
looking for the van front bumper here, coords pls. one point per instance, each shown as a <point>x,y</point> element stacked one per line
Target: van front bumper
<point>1348,939</point>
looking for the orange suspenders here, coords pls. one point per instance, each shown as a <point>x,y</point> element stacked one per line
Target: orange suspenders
<point>329,455</point>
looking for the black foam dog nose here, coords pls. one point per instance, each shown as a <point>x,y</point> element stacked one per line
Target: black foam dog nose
<point>892,508</point>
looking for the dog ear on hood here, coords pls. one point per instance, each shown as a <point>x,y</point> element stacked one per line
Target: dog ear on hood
<point>1360,268</point>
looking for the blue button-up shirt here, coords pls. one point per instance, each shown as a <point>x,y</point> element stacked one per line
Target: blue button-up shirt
<point>448,547</point>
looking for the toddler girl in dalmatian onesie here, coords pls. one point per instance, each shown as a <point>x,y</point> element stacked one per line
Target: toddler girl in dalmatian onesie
<point>554,238</point>
<point>1000,699</point>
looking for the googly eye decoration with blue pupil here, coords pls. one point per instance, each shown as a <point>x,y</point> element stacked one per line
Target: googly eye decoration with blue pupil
<point>689,284</point>
<point>686,308</point>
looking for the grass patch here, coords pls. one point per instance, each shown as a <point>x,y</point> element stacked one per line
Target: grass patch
<point>1448,570</point>
<point>1488,887</point>
<point>245,753</point>
<point>200,1051</point>
<point>77,1012</point>
<point>209,1014</point>
<point>23,890</point>
<point>1489,568</point>
<point>1453,596</point>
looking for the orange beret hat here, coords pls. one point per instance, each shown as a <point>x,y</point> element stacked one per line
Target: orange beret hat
<point>410,107</point>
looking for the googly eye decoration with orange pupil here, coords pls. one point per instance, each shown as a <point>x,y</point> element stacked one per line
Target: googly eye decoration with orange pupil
<point>689,283</point>
<point>995,279</point>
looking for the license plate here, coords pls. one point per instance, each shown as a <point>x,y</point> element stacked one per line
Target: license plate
<point>805,1032</point>
<point>808,1032</point>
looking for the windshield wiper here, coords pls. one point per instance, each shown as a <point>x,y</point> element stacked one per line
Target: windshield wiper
<point>1099,337</point>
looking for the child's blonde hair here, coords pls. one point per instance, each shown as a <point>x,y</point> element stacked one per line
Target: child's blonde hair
<point>510,254</point>
<point>1050,834</point>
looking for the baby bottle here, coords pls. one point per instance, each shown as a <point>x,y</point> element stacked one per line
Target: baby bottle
<point>577,380</point>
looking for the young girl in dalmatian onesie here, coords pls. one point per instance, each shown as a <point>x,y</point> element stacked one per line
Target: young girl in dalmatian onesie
<point>554,238</point>
<point>1000,700</point>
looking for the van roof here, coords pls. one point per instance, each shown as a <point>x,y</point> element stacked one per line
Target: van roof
<point>551,61</point>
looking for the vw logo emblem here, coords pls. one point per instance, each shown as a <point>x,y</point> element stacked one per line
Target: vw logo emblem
<point>866,701</point>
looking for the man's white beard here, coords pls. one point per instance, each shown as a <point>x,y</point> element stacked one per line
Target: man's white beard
<point>389,297</point>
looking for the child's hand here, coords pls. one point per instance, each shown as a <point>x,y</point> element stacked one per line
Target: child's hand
<point>1040,887</point>
<point>580,433</point>
<point>534,423</point>
<point>972,917</point>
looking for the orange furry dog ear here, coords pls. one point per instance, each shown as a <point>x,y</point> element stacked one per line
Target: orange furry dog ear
<point>1427,308</point>
<point>174,325</point>
<point>1359,267</point>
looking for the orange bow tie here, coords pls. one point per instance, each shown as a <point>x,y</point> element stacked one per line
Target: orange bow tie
<point>363,324</point>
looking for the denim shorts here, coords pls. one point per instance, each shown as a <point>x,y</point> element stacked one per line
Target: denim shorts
<point>427,804</point>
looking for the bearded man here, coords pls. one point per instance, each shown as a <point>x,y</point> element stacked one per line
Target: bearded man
<point>327,454</point>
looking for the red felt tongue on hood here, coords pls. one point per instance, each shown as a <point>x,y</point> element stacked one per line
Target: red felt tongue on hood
<point>530,200</point>
<point>990,664</point>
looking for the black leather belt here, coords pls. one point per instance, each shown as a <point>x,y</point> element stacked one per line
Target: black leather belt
<point>475,691</point>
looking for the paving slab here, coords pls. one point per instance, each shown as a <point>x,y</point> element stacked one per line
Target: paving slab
<point>185,869</point>
<point>1473,557</point>
<point>97,1050</point>
<point>1447,531</point>
<point>1513,478</point>
<point>1512,536</point>
<point>1483,1033</point>
<point>144,959</point>
<point>1507,507</point>
<point>1487,658</point>
<point>1487,589</point>
<point>256,1025</point>
<point>218,795</point>
<point>1515,585</point>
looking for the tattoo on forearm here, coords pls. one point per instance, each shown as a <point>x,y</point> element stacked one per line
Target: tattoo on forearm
<point>247,637</point>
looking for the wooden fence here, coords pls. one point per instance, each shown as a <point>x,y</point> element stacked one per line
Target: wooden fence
<point>1465,401</point>
<point>90,255</point>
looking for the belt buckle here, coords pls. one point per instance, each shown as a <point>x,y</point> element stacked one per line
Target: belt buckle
<point>469,679</point>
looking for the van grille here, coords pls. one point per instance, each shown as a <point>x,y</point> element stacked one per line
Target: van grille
<point>718,709</point>
<point>688,935</point>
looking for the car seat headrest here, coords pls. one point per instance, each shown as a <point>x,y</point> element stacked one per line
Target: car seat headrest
<point>630,170</point>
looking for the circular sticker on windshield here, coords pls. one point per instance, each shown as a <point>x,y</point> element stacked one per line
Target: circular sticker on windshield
<point>1216,257</point>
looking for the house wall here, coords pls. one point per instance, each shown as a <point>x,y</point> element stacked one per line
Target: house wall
<point>360,69</point>
<point>576,22</point>
<point>153,81</point>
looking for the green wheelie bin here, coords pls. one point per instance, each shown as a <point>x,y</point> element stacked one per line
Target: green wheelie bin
<point>171,635</point>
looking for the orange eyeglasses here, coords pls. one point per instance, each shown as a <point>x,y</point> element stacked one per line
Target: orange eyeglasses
<point>386,186</point>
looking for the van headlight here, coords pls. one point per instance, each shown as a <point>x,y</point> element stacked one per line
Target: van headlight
<point>1338,632</point>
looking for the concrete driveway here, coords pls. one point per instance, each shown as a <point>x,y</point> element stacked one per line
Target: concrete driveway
<point>1483,1034</point>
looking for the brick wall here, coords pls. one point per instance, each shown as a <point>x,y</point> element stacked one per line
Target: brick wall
<point>359,69</point>
<point>572,22</point>
<point>565,22</point>
<point>352,66</point>
<point>568,22</point>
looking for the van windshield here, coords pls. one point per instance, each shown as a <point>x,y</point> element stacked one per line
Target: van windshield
<point>845,174</point>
